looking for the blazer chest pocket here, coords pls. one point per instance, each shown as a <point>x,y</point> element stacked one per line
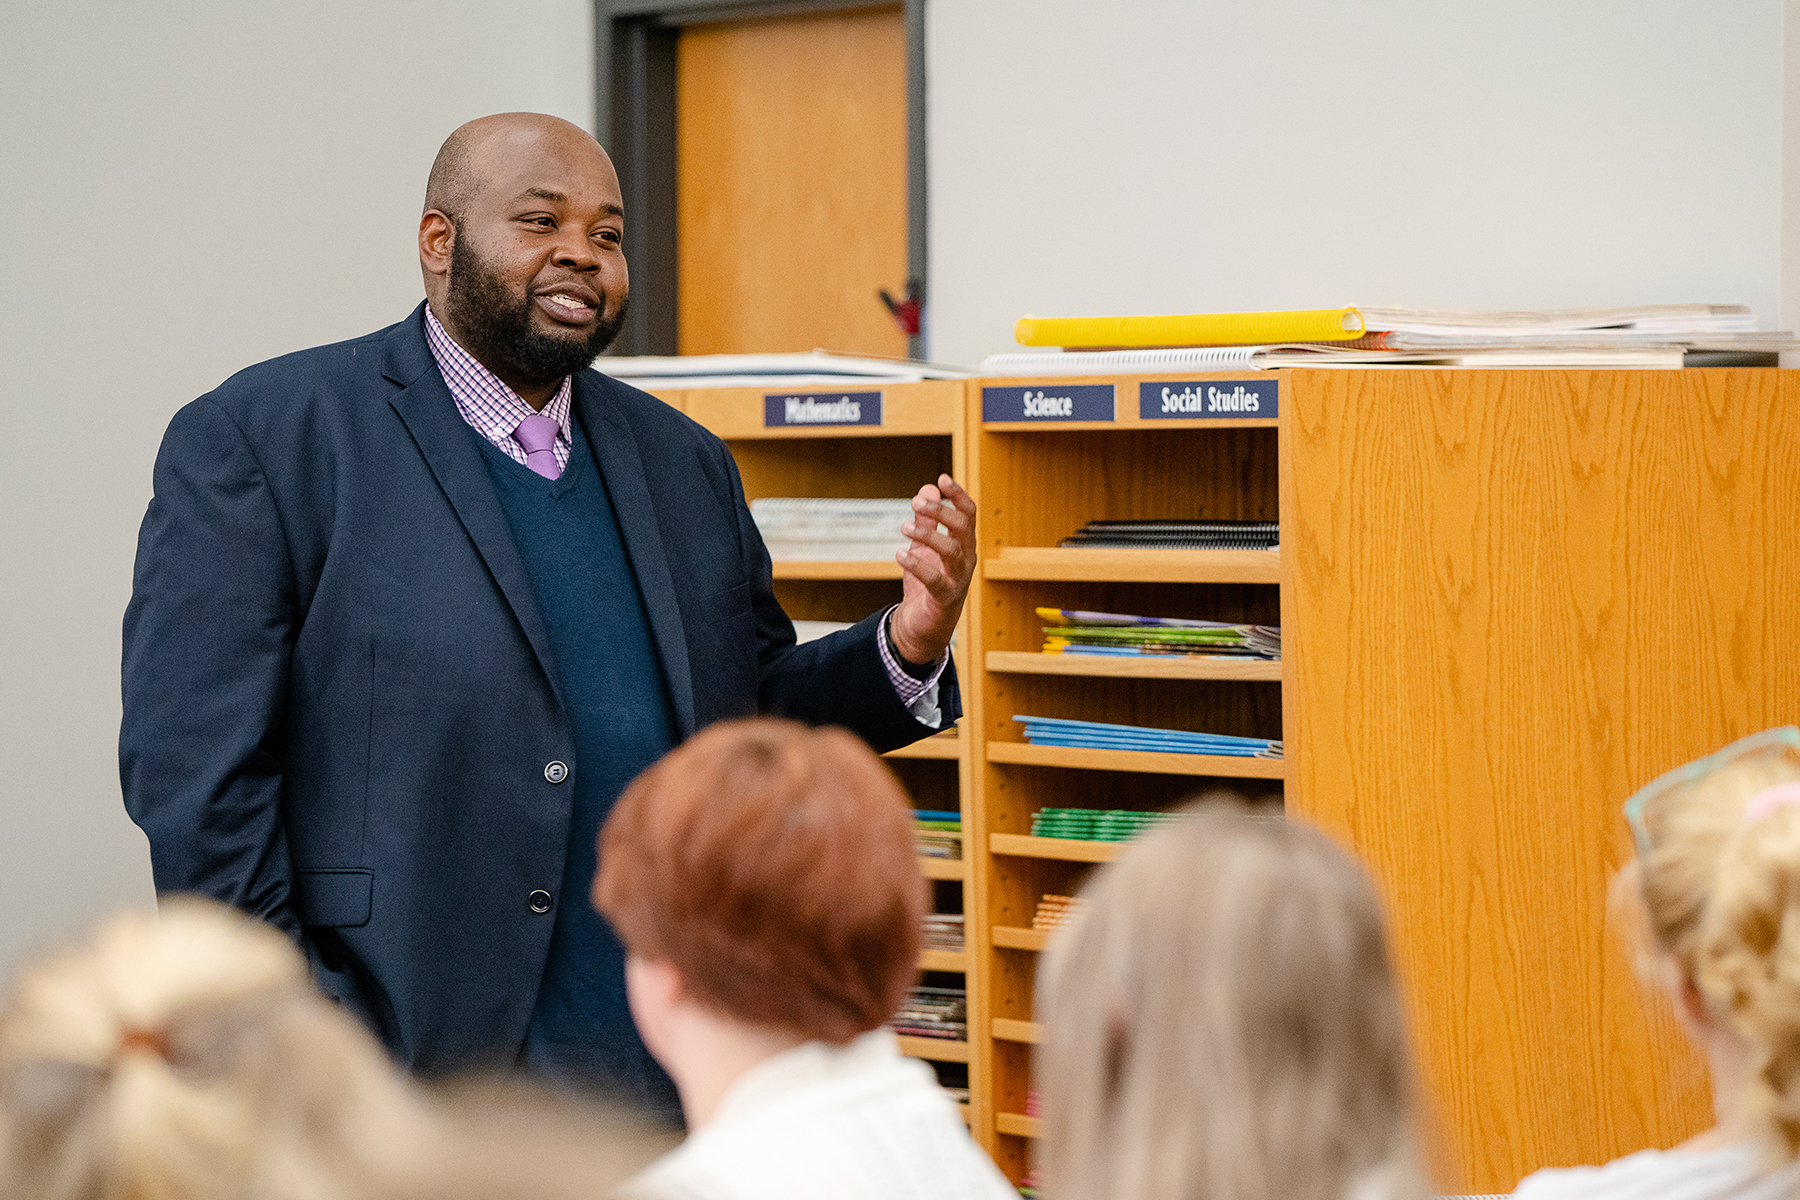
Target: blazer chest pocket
<point>722,606</point>
<point>341,898</point>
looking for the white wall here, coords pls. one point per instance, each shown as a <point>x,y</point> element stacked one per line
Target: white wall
<point>1790,174</point>
<point>187,188</point>
<point>1147,156</point>
<point>191,188</point>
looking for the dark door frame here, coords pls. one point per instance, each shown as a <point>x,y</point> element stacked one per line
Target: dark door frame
<point>634,117</point>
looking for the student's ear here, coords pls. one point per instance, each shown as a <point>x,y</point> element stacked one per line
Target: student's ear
<point>655,992</point>
<point>1684,994</point>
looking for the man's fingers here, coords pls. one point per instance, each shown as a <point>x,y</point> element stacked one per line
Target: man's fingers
<point>946,585</point>
<point>953,491</point>
<point>952,550</point>
<point>939,512</point>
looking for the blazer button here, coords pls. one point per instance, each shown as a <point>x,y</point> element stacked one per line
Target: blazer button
<point>539,901</point>
<point>556,770</point>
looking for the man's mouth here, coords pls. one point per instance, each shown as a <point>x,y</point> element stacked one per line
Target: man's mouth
<point>571,310</point>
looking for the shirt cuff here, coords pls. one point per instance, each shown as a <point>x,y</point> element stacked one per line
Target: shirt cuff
<point>920,696</point>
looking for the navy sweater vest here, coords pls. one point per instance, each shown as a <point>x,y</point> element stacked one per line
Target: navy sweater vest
<point>581,1030</point>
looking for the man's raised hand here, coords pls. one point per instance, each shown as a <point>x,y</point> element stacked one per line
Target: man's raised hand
<point>936,568</point>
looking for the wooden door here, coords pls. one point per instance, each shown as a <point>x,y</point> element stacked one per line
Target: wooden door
<point>791,183</point>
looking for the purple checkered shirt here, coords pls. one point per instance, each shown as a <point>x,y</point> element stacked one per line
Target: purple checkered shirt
<point>494,410</point>
<point>490,407</point>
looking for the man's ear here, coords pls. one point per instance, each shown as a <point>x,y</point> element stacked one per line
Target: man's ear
<point>437,238</point>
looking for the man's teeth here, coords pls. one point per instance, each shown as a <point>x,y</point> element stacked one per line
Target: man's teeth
<point>568,301</point>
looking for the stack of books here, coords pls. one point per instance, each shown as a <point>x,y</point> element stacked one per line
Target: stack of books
<point>933,1012</point>
<point>812,631</point>
<point>1053,911</point>
<point>1073,631</point>
<point>1089,825</point>
<point>944,931</point>
<point>813,529</point>
<point>819,369</point>
<point>1649,335</point>
<point>1177,534</point>
<point>938,833</point>
<point>1097,735</point>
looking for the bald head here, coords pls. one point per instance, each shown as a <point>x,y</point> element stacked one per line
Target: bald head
<point>465,162</point>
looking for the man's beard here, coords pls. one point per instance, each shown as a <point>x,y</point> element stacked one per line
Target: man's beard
<point>499,328</point>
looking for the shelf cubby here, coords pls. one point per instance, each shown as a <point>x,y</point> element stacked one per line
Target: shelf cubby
<point>1038,483</point>
<point>921,434</point>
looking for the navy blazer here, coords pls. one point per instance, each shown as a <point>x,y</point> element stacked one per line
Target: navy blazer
<point>339,700</point>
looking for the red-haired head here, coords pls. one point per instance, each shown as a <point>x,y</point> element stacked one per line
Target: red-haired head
<point>774,867</point>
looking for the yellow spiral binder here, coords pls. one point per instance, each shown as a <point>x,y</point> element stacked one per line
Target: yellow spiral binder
<point>1198,329</point>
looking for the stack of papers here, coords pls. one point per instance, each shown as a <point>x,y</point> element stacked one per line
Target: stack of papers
<point>812,631</point>
<point>779,372</point>
<point>1072,631</point>
<point>1177,534</point>
<point>1641,336</point>
<point>939,834</point>
<point>1096,735</point>
<point>828,530</point>
<point>934,1013</point>
<point>944,931</point>
<point>1054,911</point>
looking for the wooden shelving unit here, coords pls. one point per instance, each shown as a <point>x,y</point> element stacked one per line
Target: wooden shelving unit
<point>837,570</point>
<point>1037,483</point>
<point>1489,584</point>
<point>1023,845</point>
<point>921,433</point>
<point>1134,566</point>
<point>1017,1124</point>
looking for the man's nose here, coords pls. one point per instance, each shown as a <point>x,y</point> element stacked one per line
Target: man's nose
<point>576,253</point>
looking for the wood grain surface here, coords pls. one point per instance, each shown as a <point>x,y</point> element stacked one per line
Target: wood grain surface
<point>1509,599</point>
<point>791,183</point>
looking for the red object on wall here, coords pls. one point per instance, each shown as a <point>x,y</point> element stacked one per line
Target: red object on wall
<point>905,312</point>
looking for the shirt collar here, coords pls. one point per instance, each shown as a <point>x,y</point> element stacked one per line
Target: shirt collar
<point>486,403</point>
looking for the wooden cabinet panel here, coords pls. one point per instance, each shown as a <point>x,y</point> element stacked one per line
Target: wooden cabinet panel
<point>1509,599</point>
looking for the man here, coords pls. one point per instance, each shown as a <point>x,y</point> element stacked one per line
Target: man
<point>409,611</point>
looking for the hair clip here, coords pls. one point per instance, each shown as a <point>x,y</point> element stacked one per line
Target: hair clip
<point>1770,799</point>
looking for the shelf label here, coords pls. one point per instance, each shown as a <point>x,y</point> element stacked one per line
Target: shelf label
<point>1209,399</point>
<point>821,408</point>
<point>1048,402</point>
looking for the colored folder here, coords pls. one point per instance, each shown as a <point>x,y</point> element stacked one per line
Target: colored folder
<point>1198,329</point>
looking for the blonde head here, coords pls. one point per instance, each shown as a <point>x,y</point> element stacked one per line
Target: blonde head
<point>185,1056</point>
<point>1718,896</point>
<point>1221,1023</point>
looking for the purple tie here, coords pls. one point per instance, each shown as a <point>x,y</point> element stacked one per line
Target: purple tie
<point>537,433</point>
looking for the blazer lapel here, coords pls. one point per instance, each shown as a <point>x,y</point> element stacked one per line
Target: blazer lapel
<point>622,466</point>
<point>443,437</point>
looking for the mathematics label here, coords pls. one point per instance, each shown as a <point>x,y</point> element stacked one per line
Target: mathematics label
<point>821,408</point>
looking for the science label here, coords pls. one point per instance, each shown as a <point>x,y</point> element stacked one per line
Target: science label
<point>1048,402</point>
<point>821,408</point>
